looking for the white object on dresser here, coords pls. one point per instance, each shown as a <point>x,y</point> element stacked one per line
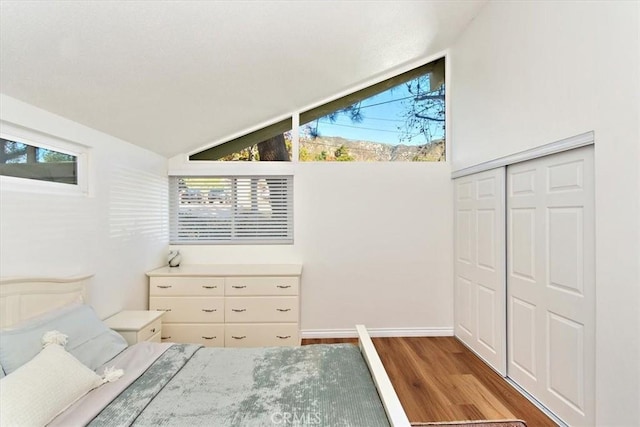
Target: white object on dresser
<point>137,325</point>
<point>229,305</point>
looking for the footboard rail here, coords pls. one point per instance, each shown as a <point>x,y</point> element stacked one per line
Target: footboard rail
<point>395,413</point>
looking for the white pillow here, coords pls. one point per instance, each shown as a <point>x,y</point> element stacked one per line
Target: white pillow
<point>89,339</point>
<point>39,390</point>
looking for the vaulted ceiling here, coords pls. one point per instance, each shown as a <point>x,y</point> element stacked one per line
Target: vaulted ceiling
<point>176,76</point>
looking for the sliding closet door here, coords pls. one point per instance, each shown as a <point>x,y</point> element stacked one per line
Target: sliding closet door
<point>480,312</point>
<point>551,283</point>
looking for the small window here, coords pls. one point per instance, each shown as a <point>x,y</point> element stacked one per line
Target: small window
<point>231,209</point>
<point>21,160</point>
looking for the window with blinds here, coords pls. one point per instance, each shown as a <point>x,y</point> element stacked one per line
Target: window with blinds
<point>231,209</point>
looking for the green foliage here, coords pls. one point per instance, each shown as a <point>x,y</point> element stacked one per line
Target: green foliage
<point>305,156</point>
<point>321,157</point>
<point>13,152</point>
<point>18,152</point>
<point>55,157</point>
<point>248,154</point>
<point>342,154</point>
<point>251,154</point>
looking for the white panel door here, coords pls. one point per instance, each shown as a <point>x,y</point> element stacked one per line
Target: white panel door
<point>480,312</point>
<point>551,282</point>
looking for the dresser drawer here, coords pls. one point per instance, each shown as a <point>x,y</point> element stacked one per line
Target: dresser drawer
<point>239,286</point>
<point>189,309</point>
<point>170,286</point>
<point>150,330</point>
<point>205,334</point>
<point>261,309</point>
<point>156,338</point>
<point>261,335</point>
<point>137,325</point>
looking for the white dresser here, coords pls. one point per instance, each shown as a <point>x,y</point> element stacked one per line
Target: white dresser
<point>237,305</point>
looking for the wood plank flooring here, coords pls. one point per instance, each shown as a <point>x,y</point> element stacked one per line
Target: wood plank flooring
<point>439,379</point>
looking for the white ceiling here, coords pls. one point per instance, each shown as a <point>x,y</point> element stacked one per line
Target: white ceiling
<point>176,76</point>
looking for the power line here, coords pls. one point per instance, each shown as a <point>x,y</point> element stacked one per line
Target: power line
<point>386,120</point>
<point>386,102</point>
<point>373,129</point>
<point>360,127</point>
<point>368,118</point>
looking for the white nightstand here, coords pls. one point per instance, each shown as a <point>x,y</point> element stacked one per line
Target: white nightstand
<point>137,325</point>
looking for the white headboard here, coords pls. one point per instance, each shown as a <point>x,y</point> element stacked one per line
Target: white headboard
<point>25,297</point>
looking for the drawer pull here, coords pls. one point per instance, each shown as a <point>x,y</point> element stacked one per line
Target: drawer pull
<point>238,338</point>
<point>209,338</point>
<point>164,286</point>
<point>283,286</point>
<point>163,309</point>
<point>209,310</point>
<point>165,338</point>
<point>283,337</point>
<point>209,287</point>
<point>153,331</point>
<point>283,309</point>
<point>238,287</point>
<point>238,310</point>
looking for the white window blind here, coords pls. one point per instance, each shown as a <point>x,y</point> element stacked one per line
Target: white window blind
<point>237,209</point>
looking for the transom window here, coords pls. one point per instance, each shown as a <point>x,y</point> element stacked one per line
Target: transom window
<point>271,143</point>
<point>399,119</point>
<point>21,160</point>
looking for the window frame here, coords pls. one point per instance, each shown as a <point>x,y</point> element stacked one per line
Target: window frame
<point>12,132</point>
<point>237,218</point>
<point>436,68</point>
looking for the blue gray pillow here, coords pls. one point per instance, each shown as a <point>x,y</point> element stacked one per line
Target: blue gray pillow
<point>89,339</point>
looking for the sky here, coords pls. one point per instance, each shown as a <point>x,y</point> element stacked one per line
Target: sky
<point>382,113</point>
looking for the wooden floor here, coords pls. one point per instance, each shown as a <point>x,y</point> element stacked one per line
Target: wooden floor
<point>439,379</point>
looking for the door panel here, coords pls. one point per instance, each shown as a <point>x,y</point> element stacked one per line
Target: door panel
<point>566,345</point>
<point>480,312</point>
<point>464,325</point>
<point>523,348</point>
<point>565,245</point>
<point>487,317</point>
<point>522,259</point>
<point>551,282</point>
<point>486,255</point>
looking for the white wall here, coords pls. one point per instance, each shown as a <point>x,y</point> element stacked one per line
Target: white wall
<point>375,240</point>
<point>117,232</point>
<point>530,73</point>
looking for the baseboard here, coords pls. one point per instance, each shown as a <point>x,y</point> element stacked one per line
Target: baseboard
<point>378,332</point>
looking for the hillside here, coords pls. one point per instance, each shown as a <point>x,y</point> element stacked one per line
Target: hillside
<point>329,148</point>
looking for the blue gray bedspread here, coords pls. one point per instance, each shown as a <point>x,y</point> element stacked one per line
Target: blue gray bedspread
<point>315,385</point>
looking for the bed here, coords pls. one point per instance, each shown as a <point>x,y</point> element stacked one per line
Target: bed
<point>187,384</point>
